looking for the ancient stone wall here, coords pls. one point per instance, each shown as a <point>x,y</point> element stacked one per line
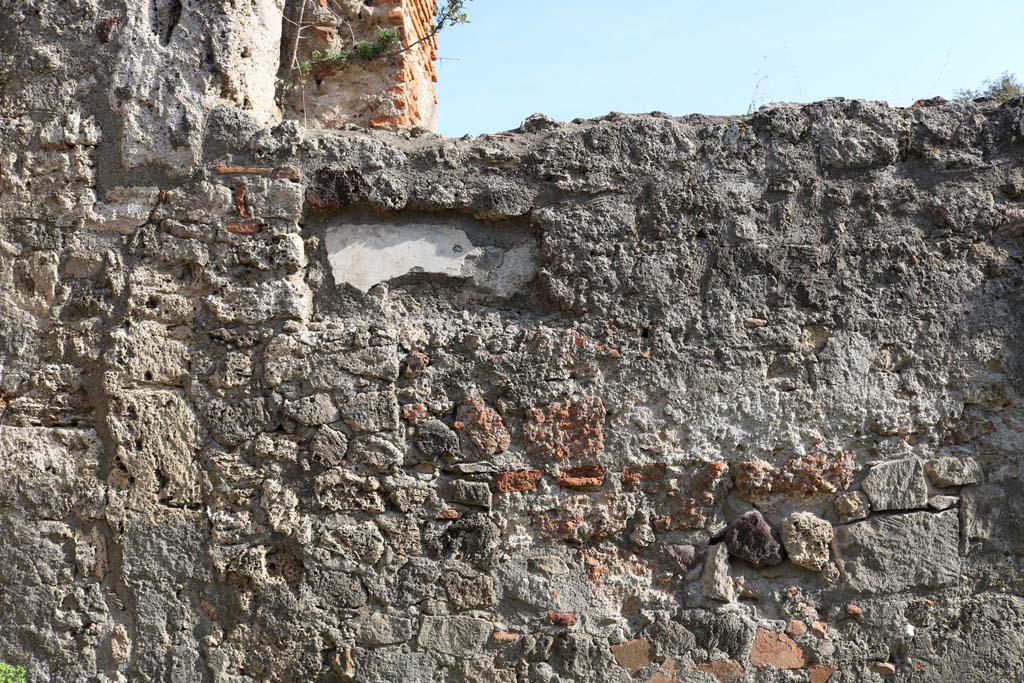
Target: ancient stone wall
<point>634,399</point>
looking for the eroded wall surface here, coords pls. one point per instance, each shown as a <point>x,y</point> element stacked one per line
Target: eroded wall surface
<point>636,399</point>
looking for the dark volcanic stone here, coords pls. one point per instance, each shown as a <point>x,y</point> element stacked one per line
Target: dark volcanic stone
<point>435,439</point>
<point>752,539</point>
<point>687,557</point>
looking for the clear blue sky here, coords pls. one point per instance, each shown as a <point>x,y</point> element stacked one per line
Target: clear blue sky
<point>576,58</point>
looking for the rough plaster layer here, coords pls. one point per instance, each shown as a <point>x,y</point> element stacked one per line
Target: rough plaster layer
<point>791,332</point>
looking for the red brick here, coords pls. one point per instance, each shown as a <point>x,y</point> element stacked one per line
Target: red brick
<point>517,481</point>
<point>633,655</point>
<point>777,650</point>
<point>725,670</point>
<point>243,228</point>
<point>562,618</point>
<point>649,472</point>
<point>588,477</point>
<point>583,518</point>
<point>803,476</point>
<point>483,427</point>
<point>563,431</point>
<point>820,673</point>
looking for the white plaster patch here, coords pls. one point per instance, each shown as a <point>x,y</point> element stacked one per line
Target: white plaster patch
<point>367,254</point>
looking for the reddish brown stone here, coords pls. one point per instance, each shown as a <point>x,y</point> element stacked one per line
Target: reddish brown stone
<point>820,673</point>
<point>413,413</point>
<point>334,188</point>
<point>517,481</point>
<point>243,228</point>
<point>692,499</point>
<point>647,472</point>
<point>560,431</point>
<point>415,363</point>
<point>582,477</point>
<point>108,27</point>
<point>752,539</point>
<point>819,628</point>
<point>562,618</point>
<point>777,650</point>
<point>801,476</point>
<point>725,670</point>
<point>450,513</point>
<point>240,201</point>
<point>633,655</point>
<point>504,637</point>
<point>795,628</point>
<point>224,169</point>
<point>343,665</point>
<point>581,518</point>
<point>483,427</point>
<point>854,610</point>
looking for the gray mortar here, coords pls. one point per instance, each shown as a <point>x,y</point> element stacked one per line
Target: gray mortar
<point>219,463</point>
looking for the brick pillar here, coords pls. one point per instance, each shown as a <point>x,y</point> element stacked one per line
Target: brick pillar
<point>385,92</point>
<point>413,90</point>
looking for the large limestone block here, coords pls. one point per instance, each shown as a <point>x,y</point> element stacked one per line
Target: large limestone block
<point>158,437</point>
<point>897,485</point>
<point>900,552</point>
<point>48,473</point>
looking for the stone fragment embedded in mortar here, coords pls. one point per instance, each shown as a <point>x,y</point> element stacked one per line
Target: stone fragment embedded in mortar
<point>715,581</point>
<point>807,539</point>
<point>751,538</point>
<point>953,471</point>
<point>897,485</point>
<point>886,554</point>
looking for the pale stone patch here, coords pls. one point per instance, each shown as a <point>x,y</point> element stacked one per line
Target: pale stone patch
<point>366,254</point>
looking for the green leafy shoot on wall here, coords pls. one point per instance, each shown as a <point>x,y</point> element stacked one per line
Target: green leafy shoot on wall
<point>1003,88</point>
<point>388,40</point>
<point>12,674</point>
<point>388,43</point>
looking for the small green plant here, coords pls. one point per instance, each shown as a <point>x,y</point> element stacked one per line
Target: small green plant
<point>388,43</point>
<point>1004,88</point>
<point>12,674</point>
